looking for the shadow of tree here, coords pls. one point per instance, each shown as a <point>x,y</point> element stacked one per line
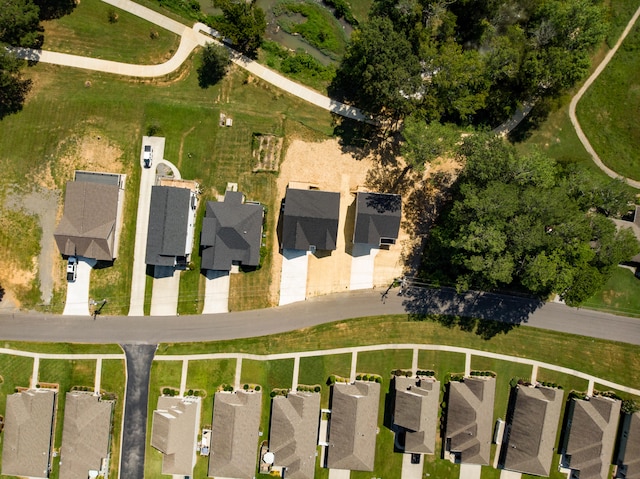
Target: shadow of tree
<point>363,140</point>
<point>1,293</point>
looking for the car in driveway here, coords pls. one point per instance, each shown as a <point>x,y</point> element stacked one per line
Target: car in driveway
<point>148,156</point>
<point>72,269</point>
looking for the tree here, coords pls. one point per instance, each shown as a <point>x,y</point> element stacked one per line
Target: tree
<point>243,23</point>
<point>13,88</point>
<point>424,143</point>
<point>51,9</point>
<point>20,24</point>
<point>215,61</point>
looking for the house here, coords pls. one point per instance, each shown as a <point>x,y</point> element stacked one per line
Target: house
<point>89,222</point>
<point>417,401</point>
<point>234,434</point>
<point>470,420</point>
<point>171,225</point>
<point>293,436</point>
<point>310,220</point>
<point>28,433</point>
<point>353,426</point>
<point>86,435</point>
<point>231,233</point>
<point>591,436</point>
<point>174,432</point>
<point>629,458</point>
<point>377,218</point>
<point>532,428</point>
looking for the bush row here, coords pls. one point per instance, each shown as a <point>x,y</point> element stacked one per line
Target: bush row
<point>483,373</point>
<point>308,389</point>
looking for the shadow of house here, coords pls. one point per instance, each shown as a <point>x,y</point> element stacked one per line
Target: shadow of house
<point>377,218</point>
<point>532,427</point>
<point>171,226</point>
<point>310,220</point>
<point>417,401</point>
<point>591,436</point>
<point>231,233</point>
<point>629,457</point>
<point>469,424</point>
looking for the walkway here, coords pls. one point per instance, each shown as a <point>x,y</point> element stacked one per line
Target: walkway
<point>574,102</point>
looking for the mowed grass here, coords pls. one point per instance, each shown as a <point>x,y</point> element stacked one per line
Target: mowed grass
<point>63,348</point>
<point>87,31</point>
<point>317,369</point>
<point>620,294</point>
<point>113,380</point>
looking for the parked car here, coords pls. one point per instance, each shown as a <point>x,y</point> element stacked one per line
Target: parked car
<point>148,156</point>
<point>72,269</point>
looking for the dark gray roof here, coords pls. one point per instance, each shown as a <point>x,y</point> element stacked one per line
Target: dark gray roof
<point>353,426</point>
<point>98,177</point>
<point>26,446</point>
<point>231,231</point>
<point>592,435</point>
<point>85,435</point>
<point>416,410</point>
<point>168,225</point>
<point>88,225</point>
<point>631,453</point>
<point>377,216</point>
<point>470,419</point>
<point>310,218</point>
<point>532,434</point>
<point>234,434</point>
<point>293,437</point>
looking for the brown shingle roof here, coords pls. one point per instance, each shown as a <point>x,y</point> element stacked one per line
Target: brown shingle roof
<point>85,435</point>
<point>416,410</point>
<point>353,426</point>
<point>174,433</point>
<point>234,434</point>
<point>631,454</point>
<point>27,433</point>
<point>532,435</point>
<point>88,225</point>
<point>470,419</point>
<point>294,433</point>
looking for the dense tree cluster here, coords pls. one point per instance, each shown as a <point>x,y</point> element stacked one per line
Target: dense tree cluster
<point>520,222</point>
<point>242,22</point>
<point>215,61</point>
<point>467,61</point>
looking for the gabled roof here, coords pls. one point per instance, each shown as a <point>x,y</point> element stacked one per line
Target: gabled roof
<point>85,435</point>
<point>168,225</point>
<point>534,424</point>
<point>353,425</point>
<point>377,216</point>
<point>470,419</point>
<point>174,433</point>
<point>231,231</point>
<point>234,434</point>
<point>416,410</point>
<point>310,218</point>
<point>631,455</point>
<point>26,447</point>
<point>88,225</point>
<point>592,435</point>
<point>293,436</point>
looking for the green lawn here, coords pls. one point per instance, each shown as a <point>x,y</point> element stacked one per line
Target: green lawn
<point>63,348</point>
<point>317,369</point>
<point>87,31</point>
<point>620,295</point>
<point>113,379</point>
<point>441,362</point>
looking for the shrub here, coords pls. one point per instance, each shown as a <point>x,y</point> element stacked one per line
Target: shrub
<point>331,380</point>
<point>407,373</point>
<point>378,379</point>
<point>166,391</point>
<point>359,377</point>
<point>257,388</point>
<point>153,34</point>
<point>273,394</point>
<point>245,387</point>
<point>316,389</point>
<point>112,16</point>
<point>190,392</point>
<point>196,393</point>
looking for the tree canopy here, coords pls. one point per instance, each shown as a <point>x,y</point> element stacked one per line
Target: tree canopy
<point>515,222</point>
<point>243,23</point>
<point>215,61</point>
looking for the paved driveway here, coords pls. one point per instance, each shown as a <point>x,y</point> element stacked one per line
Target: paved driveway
<point>411,471</point>
<point>166,286</point>
<point>77,303</point>
<point>216,293</point>
<point>362,265</point>
<point>470,471</point>
<point>293,281</point>
<point>339,474</point>
<point>505,474</point>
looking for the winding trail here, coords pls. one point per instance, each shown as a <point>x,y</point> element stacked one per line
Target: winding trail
<point>574,103</point>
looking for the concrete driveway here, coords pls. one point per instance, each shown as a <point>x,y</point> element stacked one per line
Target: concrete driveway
<point>339,474</point>
<point>411,471</point>
<point>166,288</point>
<point>470,471</point>
<point>77,303</point>
<point>362,266</point>
<point>293,281</point>
<point>505,474</point>
<point>216,293</point>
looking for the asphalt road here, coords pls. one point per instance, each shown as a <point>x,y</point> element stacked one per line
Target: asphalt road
<point>505,310</point>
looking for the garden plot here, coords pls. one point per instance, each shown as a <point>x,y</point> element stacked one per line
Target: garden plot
<point>266,152</point>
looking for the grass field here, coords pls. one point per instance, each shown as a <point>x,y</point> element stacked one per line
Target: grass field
<point>63,348</point>
<point>620,295</point>
<point>113,379</point>
<point>87,31</point>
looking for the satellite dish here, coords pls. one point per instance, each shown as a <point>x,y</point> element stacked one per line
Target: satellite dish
<point>269,457</point>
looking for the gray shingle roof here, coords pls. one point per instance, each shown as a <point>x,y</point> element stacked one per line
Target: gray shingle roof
<point>631,454</point>
<point>293,436</point>
<point>234,434</point>
<point>353,426</point>
<point>416,410</point>
<point>310,218</point>
<point>168,225</point>
<point>88,225</point>
<point>231,231</point>
<point>377,216</point>
<point>85,435</point>
<point>532,436</point>
<point>27,433</point>
<point>174,433</point>
<point>592,435</point>
<point>470,419</point>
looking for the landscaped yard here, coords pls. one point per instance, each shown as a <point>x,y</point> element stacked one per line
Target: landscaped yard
<point>620,295</point>
<point>113,379</point>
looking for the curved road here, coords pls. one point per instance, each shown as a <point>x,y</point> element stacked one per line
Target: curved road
<point>507,310</point>
<point>581,92</point>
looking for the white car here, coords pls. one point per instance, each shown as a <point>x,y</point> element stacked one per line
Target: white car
<point>148,156</point>
<point>72,269</point>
